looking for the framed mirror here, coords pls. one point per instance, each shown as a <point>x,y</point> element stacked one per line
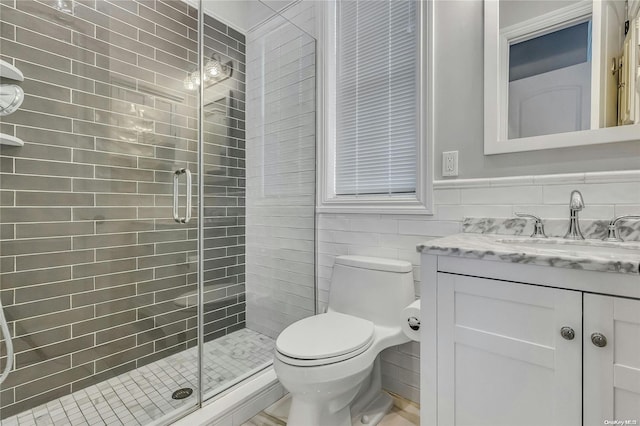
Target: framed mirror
<point>560,73</point>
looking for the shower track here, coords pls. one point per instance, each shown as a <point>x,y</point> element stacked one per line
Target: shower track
<point>143,395</point>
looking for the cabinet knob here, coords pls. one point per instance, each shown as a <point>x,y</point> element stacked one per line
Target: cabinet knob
<point>599,340</point>
<point>567,333</point>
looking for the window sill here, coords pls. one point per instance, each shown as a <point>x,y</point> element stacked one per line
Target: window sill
<point>409,206</point>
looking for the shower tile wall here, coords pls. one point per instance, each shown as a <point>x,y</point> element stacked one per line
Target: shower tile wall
<point>225,182</point>
<point>280,174</point>
<point>94,272</point>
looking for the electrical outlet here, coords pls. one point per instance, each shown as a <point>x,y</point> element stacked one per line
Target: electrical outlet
<point>450,163</point>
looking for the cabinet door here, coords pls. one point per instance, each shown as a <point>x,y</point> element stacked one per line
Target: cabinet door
<point>612,371</point>
<point>501,357</point>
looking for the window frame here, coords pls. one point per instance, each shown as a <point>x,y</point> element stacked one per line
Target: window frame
<point>327,201</point>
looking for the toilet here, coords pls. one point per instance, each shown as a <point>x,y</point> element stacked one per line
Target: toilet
<point>330,362</point>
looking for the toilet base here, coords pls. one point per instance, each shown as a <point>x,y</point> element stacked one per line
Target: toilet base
<point>374,412</point>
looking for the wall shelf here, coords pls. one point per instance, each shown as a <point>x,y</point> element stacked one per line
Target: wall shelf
<point>10,140</point>
<point>9,71</point>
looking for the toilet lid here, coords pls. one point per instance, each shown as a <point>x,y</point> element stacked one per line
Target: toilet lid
<point>323,336</point>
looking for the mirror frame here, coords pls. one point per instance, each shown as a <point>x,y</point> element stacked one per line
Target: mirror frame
<point>496,65</point>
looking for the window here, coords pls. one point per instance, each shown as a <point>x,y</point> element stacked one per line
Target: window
<point>378,125</point>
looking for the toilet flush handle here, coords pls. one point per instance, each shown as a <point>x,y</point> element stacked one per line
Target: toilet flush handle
<point>414,323</point>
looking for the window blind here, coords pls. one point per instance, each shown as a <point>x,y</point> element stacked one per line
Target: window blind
<point>377,97</point>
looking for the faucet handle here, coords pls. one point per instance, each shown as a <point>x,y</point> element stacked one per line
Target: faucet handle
<point>538,226</point>
<point>612,229</point>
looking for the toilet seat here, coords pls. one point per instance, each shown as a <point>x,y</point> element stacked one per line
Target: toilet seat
<point>324,339</point>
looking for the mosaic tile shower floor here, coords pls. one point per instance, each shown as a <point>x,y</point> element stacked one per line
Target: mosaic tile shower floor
<point>143,395</point>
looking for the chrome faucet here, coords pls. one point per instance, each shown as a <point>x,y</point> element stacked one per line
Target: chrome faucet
<point>576,203</point>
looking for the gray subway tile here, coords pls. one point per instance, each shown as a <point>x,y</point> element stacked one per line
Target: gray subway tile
<point>163,20</point>
<point>31,38</point>
<point>123,357</point>
<point>33,309</point>
<point>116,279</point>
<point>162,44</point>
<point>53,199</point>
<point>50,106</point>
<point>34,214</point>
<point>42,152</point>
<point>103,185</point>
<point>53,381</point>
<point>100,351</point>
<point>46,90</point>
<point>51,14</point>
<point>43,353</point>
<point>101,323</point>
<point>103,213</point>
<point>30,246</point>
<point>48,260</point>
<point>7,231</point>
<point>98,296</point>
<point>29,118</point>
<point>124,330</point>
<point>125,304</point>
<point>50,229</point>
<point>121,14</point>
<point>103,268</point>
<point>21,19</point>
<point>35,55</point>
<point>116,226</point>
<point>123,200</point>
<point>94,157</point>
<point>124,173</point>
<point>7,264</point>
<point>44,322</point>
<point>110,240</point>
<point>124,252</point>
<point>45,291</point>
<point>49,137</point>
<point>25,375</point>
<point>51,168</point>
<point>103,47</point>
<point>61,82</point>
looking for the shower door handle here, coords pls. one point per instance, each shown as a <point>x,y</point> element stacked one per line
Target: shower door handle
<point>176,214</point>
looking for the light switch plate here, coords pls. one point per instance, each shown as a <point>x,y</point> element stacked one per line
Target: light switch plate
<point>450,163</point>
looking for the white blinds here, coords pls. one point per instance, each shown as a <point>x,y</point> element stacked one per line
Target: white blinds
<point>377,96</point>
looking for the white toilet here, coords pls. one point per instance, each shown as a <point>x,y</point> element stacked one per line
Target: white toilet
<point>329,362</point>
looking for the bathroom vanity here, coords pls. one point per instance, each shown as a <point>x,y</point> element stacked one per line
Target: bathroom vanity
<point>529,331</point>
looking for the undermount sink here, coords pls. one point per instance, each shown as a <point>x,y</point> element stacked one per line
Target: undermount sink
<point>610,250</point>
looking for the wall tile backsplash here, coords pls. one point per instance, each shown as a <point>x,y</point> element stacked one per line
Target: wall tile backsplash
<point>96,277</point>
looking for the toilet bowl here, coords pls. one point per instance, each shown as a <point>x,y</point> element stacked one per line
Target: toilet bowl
<point>330,362</point>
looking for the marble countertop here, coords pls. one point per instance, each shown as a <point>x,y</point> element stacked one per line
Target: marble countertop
<point>555,252</point>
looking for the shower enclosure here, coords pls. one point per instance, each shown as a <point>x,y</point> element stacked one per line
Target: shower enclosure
<point>157,225</point>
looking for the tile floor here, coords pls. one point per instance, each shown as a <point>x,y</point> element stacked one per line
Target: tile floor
<point>403,413</point>
<point>143,395</point>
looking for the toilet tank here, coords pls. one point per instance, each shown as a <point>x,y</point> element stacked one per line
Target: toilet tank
<point>371,288</point>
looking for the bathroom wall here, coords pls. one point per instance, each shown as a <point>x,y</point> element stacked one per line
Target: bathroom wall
<point>532,181</point>
<point>94,271</point>
<point>224,147</point>
<point>459,109</point>
<point>280,172</point>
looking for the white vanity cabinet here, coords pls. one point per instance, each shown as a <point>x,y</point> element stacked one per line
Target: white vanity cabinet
<point>508,344</point>
<point>611,372</point>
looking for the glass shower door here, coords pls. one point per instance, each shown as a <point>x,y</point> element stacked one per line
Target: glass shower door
<point>98,254</point>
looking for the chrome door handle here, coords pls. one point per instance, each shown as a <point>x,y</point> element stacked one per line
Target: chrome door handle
<point>176,214</point>
<point>187,214</point>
